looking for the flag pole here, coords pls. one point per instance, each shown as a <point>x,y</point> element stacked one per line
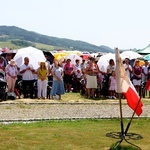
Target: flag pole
<point>121,116</point>
<point>127,128</point>
<point>121,134</point>
<point>119,93</point>
<point>123,85</point>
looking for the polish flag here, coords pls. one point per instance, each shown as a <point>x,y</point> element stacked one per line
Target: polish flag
<point>124,85</point>
<point>147,86</point>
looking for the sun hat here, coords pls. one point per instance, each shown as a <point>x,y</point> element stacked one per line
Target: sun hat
<point>12,62</point>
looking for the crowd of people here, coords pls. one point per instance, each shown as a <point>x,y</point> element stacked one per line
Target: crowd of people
<point>67,77</point>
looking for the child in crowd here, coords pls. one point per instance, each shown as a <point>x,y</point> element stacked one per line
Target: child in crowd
<point>77,79</point>
<point>112,85</point>
<point>79,74</point>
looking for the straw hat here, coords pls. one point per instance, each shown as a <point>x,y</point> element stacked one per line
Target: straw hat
<point>12,62</point>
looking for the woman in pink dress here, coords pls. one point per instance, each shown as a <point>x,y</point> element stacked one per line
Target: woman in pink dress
<point>112,85</point>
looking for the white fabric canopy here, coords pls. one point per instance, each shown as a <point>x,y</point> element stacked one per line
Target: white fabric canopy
<point>35,56</point>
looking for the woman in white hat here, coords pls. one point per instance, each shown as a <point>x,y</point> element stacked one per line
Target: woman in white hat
<point>11,75</point>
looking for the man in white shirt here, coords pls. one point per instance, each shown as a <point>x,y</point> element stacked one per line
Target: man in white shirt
<point>145,71</point>
<point>27,77</point>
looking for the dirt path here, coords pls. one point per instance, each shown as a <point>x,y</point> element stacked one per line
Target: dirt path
<point>32,110</point>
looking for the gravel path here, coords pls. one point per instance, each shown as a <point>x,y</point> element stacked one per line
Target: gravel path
<point>11,112</point>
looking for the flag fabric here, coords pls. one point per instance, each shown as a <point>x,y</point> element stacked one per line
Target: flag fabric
<point>124,85</point>
<point>147,86</point>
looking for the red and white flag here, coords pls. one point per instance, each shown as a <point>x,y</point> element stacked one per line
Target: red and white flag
<point>147,86</point>
<point>124,85</point>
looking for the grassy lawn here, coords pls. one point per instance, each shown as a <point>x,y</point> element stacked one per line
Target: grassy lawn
<point>82,134</point>
<point>76,97</point>
<point>70,135</point>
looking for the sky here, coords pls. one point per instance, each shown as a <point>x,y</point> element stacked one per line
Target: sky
<point>114,23</point>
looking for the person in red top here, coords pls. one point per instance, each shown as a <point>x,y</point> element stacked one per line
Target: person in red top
<point>68,74</point>
<point>137,75</point>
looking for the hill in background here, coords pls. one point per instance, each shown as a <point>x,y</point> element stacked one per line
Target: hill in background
<point>14,37</point>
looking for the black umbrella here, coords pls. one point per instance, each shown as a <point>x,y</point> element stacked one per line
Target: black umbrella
<point>48,56</point>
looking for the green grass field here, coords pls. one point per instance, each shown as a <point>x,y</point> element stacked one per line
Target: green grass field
<point>70,135</point>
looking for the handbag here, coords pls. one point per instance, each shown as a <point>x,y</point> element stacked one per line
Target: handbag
<point>11,96</point>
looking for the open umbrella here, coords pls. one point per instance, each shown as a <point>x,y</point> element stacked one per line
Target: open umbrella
<point>130,55</point>
<point>73,58</point>
<point>4,49</point>
<point>103,61</point>
<point>74,52</point>
<point>147,57</point>
<point>49,55</point>
<point>59,55</point>
<point>35,56</point>
<point>9,51</point>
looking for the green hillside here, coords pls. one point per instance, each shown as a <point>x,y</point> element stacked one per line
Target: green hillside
<point>14,37</point>
<point>11,45</point>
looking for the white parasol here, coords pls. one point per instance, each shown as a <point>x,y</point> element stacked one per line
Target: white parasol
<point>130,55</point>
<point>35,56</point>
<point>73,58</point>
<point>103,61</point>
